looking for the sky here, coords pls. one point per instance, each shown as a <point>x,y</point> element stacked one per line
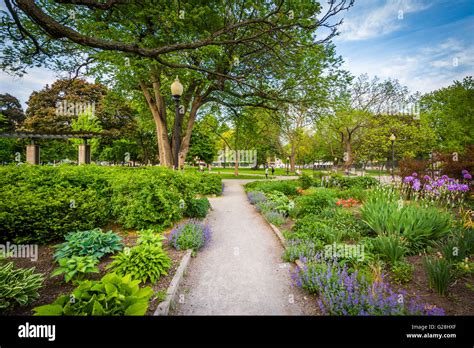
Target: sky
<point>424,44</point>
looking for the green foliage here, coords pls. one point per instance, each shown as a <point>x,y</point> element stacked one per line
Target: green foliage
<point>43,203</point>
<point>197,208</point>
<point>347,182</point>
<point>144,262</point>
<point>149,237</point>
<point>209,184</point>
<point>390,247</point>
<point>439,273</point>
<point>402,272</point>
<point>288,187</point>
<point>279,202</point>
<point>420,225</point>
<point>315,202</point>
<point>112,295</point>
<point>41,213</point>
<point>306,181</point>
<point>18,286</point>
<point>76,267</point>
<point>94,243</point>
<point>354,192</point>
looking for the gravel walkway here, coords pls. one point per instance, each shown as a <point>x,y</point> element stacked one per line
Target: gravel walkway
<point>241,271</point>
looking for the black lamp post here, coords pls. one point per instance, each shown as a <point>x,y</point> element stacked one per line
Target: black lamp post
<point>288,166</point>
<point>176,92</point>
<point>392,139</point>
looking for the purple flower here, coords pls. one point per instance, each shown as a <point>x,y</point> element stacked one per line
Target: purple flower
<point>408,179</point>
<point>414,174</point>
<point>416,185</point>
<point>440,182</point>
<point>452,187</point>
<point>467,176</point>
<point>463,188</point>
<point>428,187</point>
<point>445,177</point>
<point>464,171</point>
<point>427,177</point>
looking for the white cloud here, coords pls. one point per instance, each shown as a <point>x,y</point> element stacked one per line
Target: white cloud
<point>424,70</point>
<point>373,18</point>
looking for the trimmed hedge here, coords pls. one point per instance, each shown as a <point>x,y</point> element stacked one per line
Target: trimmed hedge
<point>42,203</point>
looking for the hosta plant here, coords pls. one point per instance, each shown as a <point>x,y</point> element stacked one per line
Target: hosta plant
<point>150,237</point>
<point>18,286</point>
<point>143,263</point>
<point>112,295</point>
<point>93,243</point>
<point>76,267</point>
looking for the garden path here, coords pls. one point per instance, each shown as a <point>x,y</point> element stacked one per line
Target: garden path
<point>241,271</point>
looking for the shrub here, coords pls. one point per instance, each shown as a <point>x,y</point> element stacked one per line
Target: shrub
<point>76,267</point>
<point>312,228</point>
<point>306,181</point>
<point>279,202</point>
<point>112,295</point>
<point>296,249</point>
<point>190,235</point>
<point>346,182</point>
<point>197,208</point>
<point>18,286</point>
<point>93,243</point>
<point>402,272</point>
<point>439,274</point>
<point>287,187</point>
<point>256,197</point>
<point>391,247</point>
<point>209,184</point>
<point>143,262</point>
<point>275,217</point>
<point>344,293</point>
<point>42,214</point>
<point>149,237</point>
<point>315,202</point>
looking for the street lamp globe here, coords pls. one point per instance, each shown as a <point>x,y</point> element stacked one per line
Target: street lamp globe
<point>176,88</point>
<point>393,137</point>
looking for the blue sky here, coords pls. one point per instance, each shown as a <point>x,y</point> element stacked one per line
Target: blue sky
<point>426,46</point>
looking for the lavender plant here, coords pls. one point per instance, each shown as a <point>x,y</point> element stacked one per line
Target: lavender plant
<point>256,197</point>
<point>192,234</point>
<point>344,293</point>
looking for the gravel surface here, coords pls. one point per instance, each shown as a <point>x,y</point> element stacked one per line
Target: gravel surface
<point>241,271</point>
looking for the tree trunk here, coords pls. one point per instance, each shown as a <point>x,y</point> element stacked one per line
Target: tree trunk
<point>189,129</point>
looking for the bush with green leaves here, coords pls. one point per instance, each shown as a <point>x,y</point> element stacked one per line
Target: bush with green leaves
<point>311,204</point>
<point>256,197</point>
<point>192,234</point>
<point>288,187</point>
<point>150,237</point>
<point>111,296</point>
<point>347,182</point>
<point>42,214</point>
<point>209,184</point>
<point>306,181</point>
<point>197,208</point>
<point>76,267</point>
<point>439,271</point>
<point>93,243</point>
<point>18,286</point>
<point>312,228</point>
<point>391,248</point>
<point>297,249</point>
<point>143,262</point>
<point>279,202</point>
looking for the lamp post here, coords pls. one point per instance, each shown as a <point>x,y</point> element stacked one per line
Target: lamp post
<point>288,166</point>
<point>392,139</point>
<point>176,92</point>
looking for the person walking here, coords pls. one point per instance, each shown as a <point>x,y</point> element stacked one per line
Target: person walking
<point>273,170</point>
<point>266,173</point>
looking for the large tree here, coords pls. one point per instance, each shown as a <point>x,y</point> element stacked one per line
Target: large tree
<point>224,49</point>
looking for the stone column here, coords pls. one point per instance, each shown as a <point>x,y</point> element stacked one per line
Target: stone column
<point>84,153</point>
<point>32,153</point>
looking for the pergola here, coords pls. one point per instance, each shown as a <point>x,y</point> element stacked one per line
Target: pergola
<point>33,149</point>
